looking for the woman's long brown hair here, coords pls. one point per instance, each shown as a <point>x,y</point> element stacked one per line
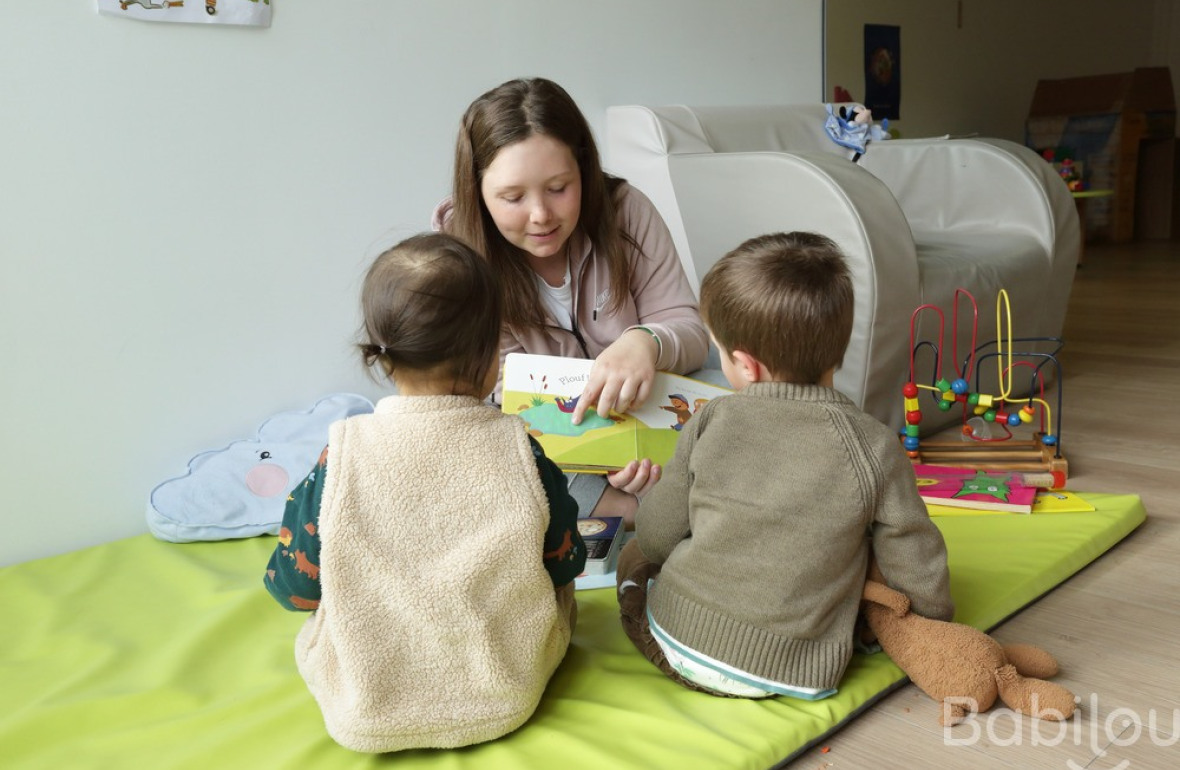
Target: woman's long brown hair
<point>511,113</point>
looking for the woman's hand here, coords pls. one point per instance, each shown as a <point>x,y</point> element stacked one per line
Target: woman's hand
<point>621,376</point>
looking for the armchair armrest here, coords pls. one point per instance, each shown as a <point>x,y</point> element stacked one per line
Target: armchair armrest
<point>984,185</point>
<point>727,198</point>
<point>961,183</point>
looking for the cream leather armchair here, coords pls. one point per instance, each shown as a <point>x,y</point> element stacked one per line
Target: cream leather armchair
<point>916,218</point>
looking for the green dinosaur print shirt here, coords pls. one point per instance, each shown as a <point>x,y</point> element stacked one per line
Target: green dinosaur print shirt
<point>293,574</point>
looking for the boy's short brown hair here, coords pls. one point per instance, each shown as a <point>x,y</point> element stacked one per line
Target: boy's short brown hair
<point>786,299</point>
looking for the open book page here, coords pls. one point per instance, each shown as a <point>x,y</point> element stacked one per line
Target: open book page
<point>543,391</point>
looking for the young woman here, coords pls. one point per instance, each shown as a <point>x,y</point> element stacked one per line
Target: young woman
<point>586,265</point>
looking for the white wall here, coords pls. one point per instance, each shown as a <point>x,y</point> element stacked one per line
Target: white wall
<point>187,210</point>
<point>980,77</point>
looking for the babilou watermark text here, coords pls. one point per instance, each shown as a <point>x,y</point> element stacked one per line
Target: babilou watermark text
<point>1087,727</point>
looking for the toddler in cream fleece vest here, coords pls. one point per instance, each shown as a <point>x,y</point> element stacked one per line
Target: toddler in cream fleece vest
<point>434,542</point>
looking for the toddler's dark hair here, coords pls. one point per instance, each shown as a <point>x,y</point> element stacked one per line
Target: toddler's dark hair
<point>784,298</point>
<point>432,303</point>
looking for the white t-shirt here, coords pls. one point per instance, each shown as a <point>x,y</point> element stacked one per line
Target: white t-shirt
<point>558,301</point>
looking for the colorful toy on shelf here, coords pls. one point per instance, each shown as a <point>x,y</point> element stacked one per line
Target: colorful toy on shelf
<point>1067,168</point>
<point>982,447</point>
<point>1071,175</point>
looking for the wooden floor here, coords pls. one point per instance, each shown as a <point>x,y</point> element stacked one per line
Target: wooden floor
<point>1115,626</point>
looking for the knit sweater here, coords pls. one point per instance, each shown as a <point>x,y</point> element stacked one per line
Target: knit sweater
<point>438,625</point>
<point>763,521</point>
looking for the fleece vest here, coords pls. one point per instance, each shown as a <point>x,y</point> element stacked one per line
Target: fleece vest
<point>438,625</point>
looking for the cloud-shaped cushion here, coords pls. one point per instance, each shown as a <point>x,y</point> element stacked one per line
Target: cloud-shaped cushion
<point>241,490</point>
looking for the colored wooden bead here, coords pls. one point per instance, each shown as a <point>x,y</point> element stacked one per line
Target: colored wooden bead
<point>985,399</point>
<point>913,455</point>
<point>980,410</point>
<point>1026,414</point>
<point>913,417</point>
<point>948,395</point>
<point>973,399</point>
<point>943,385</point>
<point>1014,419</point>
<point>945,405</point>
<point>912,405</point>
<point>909,390</point>
<point>911,443</point>
<point>990,415</point>
<point>1049,439</point>
<point>968,430</point>
<point>960,386</point>
<point>912,430</point>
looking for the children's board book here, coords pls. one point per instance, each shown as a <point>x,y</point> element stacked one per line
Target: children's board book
<point>1047,501</point>
<point>543,390</point>
<point>974,489</point>
<point>1059,501</point>
<point>603,536</point>
<point>588,580</point>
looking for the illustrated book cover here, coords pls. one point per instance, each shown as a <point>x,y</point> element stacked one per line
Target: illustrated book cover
<point>543,391</point>
<point>603,536</point>
<point>606,579</point>
<point>974,489</point>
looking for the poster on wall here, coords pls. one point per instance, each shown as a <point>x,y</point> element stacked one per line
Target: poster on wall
<point>254,13</point>
<point>883,71</point>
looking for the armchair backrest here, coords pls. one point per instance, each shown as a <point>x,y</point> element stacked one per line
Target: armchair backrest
<point>770,128</point>
<point>643,142</point>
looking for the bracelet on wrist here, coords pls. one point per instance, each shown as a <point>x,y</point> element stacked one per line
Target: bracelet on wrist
<point>654,336</point>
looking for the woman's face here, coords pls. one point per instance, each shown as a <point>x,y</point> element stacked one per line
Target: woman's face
<point>533,191</point>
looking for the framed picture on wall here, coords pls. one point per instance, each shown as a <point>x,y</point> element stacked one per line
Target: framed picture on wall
<point>883,71</point>
<point>255,13</point>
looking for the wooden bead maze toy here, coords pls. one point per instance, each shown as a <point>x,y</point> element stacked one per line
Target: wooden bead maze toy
<point>987,441</point>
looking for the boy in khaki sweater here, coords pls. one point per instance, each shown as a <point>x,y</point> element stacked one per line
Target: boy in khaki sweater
<point>756,540</point>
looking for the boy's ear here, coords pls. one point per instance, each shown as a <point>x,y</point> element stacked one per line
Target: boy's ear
<point>751,369</point>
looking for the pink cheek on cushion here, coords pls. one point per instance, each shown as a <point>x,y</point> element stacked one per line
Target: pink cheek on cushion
<point>267,479</point>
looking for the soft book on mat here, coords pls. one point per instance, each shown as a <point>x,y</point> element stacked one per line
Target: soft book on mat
<point>543,390</point>
<point>1048,501</point>
<point>974,489</point>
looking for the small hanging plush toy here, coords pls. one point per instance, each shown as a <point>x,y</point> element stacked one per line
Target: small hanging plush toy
<point>853,127</point>
<point>959,666</point>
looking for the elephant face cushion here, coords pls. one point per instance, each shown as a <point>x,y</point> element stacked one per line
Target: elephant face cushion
<point>241,490</point>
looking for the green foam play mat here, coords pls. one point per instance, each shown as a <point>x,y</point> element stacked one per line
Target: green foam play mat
<point>146,654</point>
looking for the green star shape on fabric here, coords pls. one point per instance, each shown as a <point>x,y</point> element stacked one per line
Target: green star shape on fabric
<point>983,484</point>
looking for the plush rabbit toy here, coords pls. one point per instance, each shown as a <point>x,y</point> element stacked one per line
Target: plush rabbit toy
<point>959,666</point>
